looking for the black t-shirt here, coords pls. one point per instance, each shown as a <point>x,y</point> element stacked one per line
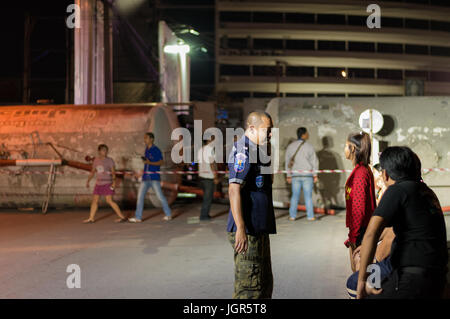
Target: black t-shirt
<point>414,212</point>
<point>246,167</point>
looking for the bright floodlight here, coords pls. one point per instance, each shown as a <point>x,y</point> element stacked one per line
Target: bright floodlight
<point>177,48</point>
<point>194,32</point>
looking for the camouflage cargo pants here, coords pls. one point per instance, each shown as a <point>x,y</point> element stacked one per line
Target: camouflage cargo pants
<point>253,277</point>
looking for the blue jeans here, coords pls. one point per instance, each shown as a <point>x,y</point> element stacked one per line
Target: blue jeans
<point>145,185</point>
<point>352,281</point>
<point>307,182</point>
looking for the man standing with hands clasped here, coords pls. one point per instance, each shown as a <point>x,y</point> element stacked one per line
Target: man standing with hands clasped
<point>300,155</point>
<point>251,218</point>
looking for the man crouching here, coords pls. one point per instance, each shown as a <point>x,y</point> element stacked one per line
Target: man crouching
<point>419,252</point>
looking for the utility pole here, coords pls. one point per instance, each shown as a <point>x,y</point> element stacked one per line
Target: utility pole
<point>278,77</point>
<point>27,58</point>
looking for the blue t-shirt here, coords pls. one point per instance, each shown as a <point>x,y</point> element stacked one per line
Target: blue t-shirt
<point>153,154</point>
<point>245,164</point>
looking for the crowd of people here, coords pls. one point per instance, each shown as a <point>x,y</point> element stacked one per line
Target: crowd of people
<point>104,169</point>
<point>395,221</point>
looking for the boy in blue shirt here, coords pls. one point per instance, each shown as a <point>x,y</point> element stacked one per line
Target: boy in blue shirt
<point>153,161</point>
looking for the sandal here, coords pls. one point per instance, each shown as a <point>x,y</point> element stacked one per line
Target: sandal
<point>120,220</point>
<point>88,221</point>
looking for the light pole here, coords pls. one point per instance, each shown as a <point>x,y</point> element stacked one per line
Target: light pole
<point>181,50</point>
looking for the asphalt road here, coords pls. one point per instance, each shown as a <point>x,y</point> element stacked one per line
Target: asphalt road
<point>182,258</point>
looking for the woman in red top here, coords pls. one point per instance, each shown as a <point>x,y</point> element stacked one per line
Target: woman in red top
<point>359,190</point>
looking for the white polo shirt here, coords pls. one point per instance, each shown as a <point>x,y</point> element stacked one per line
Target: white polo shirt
<point>205,158</point>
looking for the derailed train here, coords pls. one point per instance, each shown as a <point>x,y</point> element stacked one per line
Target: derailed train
<point>46,151</point>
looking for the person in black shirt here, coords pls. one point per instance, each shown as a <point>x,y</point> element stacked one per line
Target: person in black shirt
<point>419,253</point>
<point>251,217</point>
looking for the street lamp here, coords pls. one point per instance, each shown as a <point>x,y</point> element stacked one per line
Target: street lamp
<point>181,50</point>
<point>177,48</point>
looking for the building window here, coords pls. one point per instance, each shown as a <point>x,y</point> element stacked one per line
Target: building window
<point>361,46</point>
<point>390,48</point>
<point>227,16</point>
<point>300,71</point>
<point>331,19</point>
<point>264,95</point>
<point>440,76</point>
<point>390,74</point>
<point>300,44</point>
<point>442,51</point>
<point>329,72</point>
<point>265,70</point>
<point>416,74</point>
<point>238,70</point>
<point>330,95</point>
<point>358,21</point>
<point>268,44</point>
<point>416,49</point>
<point>440,26</point>
<point>299,94</point>
<point>299,18</point>
<point>416,24</point>
<point>268,17</point>
<point>238,96</point>
<point>361,73</point>
<point>391,22</point>
<point>417,1</point>
<point>361,95</point>
<point>236,44</point>
<point>331,45</point>
<point>443,3</point>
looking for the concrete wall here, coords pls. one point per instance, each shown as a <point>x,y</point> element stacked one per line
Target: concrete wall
<point>421,123</point>
<point>76,132</point>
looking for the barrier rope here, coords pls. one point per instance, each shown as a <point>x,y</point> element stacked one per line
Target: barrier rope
<point>177,172</point>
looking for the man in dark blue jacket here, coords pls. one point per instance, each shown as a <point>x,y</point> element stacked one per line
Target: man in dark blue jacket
<point>251,218</point>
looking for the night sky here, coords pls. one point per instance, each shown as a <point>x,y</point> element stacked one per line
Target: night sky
<point>48,47</point>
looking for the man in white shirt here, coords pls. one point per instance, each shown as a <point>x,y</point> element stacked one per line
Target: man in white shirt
<point>208,177</point>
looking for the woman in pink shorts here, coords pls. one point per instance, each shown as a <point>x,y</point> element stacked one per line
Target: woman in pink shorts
<point>103,166</point>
